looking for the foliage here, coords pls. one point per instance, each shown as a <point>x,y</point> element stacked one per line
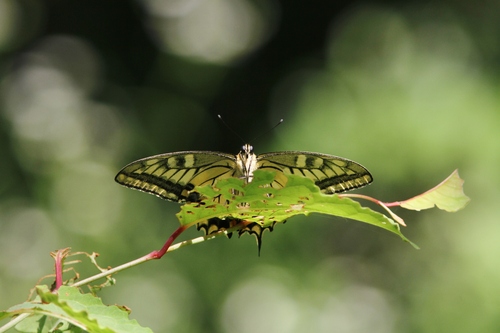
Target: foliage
<point>256,202</point>
<point>69,310</point>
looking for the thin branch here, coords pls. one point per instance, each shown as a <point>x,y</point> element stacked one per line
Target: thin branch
<point>380,203</point>
<point>14,322</point>
<point>149,256</point>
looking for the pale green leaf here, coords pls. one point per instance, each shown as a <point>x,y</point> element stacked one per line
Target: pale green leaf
<point>448,195</point>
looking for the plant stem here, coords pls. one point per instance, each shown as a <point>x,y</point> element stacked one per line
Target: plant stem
<point>157,254</point>
<point>14,322</point>
<point>380,203</point>
<point>151,256</point>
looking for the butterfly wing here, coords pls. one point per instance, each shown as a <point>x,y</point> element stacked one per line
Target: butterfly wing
<point>214,225</point>
<point>332,174</point>
<point>173,176</point>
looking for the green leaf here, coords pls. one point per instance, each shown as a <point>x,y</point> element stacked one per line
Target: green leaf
<point>4,314</point>
<point>448,195</point>
<point>256,202</point>
<point>71,311</point>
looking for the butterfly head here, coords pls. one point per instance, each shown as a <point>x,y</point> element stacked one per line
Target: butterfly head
<point>247,148</point>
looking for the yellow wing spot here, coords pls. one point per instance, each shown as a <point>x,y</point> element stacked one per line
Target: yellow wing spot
<point>340,163</point>
<point>172,162</point>
<point>338,170</point>
<point>150,162</point>
<point>301,161</point>
<point>309,162</point>
<point>169,173</point>
<point>189,161</point>
<point>309,174</point>
<point>186,178</point>
<point>181,162</point>
<point>350,172</point>
<point>318,173</point>
<point>314,162</point>
<point>159,172</point>
<point>121,178</point>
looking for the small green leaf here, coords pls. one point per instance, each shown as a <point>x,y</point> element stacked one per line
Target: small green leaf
<point>71,311</point>
<point>448,195</point>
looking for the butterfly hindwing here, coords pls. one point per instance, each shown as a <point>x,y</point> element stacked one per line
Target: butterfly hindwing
<point>214,225</point>
<point>332,174</point>
<point>173,176</point>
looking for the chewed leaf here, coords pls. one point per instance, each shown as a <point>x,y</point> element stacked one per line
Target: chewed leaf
<point>448,196</point>
<point>258,203</point>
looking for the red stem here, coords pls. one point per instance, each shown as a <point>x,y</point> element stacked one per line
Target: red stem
<point>157,254</point>
<point>58,267</point>
<point>393,204</point>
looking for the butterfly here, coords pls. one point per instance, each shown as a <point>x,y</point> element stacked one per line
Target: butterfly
<point>176,176</point>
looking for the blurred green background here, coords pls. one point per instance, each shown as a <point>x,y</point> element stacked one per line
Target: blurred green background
<point>408,89</point>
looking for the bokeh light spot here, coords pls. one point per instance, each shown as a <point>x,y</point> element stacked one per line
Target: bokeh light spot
<point>216,31</point>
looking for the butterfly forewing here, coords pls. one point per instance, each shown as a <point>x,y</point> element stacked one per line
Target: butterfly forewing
<point>173,176</point>
<point>332,174</point>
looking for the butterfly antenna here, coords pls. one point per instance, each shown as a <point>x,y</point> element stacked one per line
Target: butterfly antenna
<point>269,130</point>
<point>229,127</point>
<point>258,136</point>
